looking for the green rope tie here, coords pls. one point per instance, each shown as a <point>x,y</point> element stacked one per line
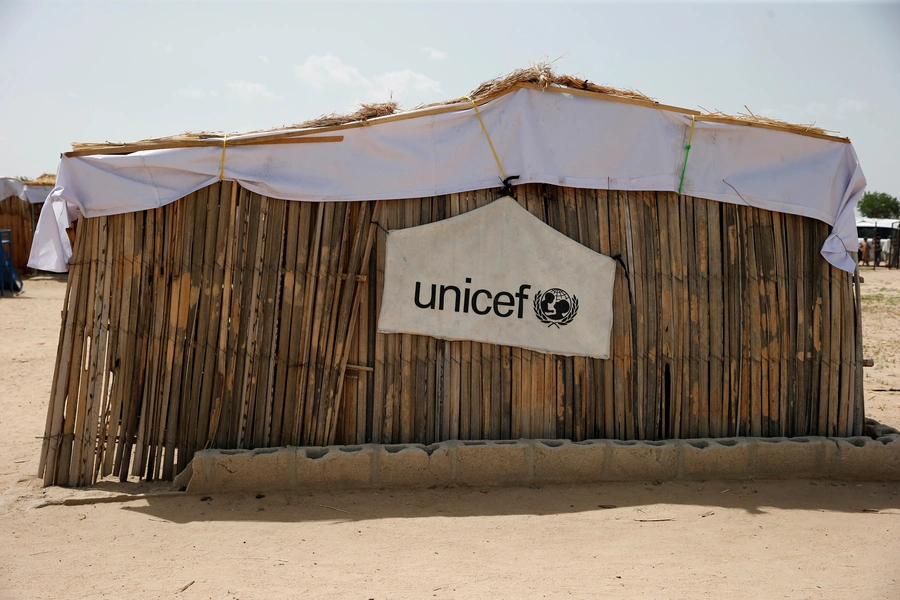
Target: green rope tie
<point>684,167</point>
<point>687,152</point>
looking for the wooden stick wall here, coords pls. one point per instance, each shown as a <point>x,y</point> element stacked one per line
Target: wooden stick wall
<point>232,320</point>
<point>16,215</point>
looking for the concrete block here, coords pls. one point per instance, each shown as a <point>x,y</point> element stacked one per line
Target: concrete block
<point>491,463</point>
<point>865,459</point>
<point>561,461</point>
<point>202,468</point>
<point>641,461</point>
<point>789,458</point>
<point>496,463</point>
<point>335,467</point>
<point>412,465</point>
<point>706,459</point>
<point>243,470</point>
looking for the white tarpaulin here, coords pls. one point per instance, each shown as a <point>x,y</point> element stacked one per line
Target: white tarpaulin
<point>36,194</point>
<point>499,275</point>
<point>11,187</point>
<point>552,137</point>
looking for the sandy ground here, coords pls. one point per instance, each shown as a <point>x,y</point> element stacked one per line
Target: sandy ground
<point>798,539</point>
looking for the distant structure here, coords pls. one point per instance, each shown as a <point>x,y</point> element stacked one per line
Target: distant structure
<point>225,291</point>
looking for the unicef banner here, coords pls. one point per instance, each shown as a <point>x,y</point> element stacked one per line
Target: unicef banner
<point>499,275</point>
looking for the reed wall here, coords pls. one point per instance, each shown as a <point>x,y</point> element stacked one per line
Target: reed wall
<point>232,320</point>
<point>16,215</point>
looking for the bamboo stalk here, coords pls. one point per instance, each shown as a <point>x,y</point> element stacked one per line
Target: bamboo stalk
<point>424,398</point>
<point>100,435</point>
<point>347,322</point>
<point>202,273</point>
<point>307,233</point>
<point>227,260</point>
<point>717,325</point>
<point>120,288</point>
<point>733,314</point>
<point>607,389</point>
<point>776,323</point>
<point>287,326</point>
<point>848,368</point>
<point>653,289</point>
<point>186,409</point>
<point>84,410</point>
<point>246,359</point>
<point>680,315</point>
<point>857,391</point>
<point>407,354</point>
<point>380,373</point>
<point>667,324</point>
<point>271,299</point>
<point>128,347</point>
<point>315,291</point>
<point>181,291</point>
<point>145,424</point>
<point>323,325</point>
<point>819,414</point>
<point>702,298</point>
<point>325,389</point>
<point>835,375</point>
<point>130,451</point>
<point>65,363</point>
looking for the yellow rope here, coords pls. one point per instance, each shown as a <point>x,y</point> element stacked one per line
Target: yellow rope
<point>490,143</point>
<point>222,166</point>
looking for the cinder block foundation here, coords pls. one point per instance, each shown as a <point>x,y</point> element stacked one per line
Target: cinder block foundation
<point>707,458</point>
<point>523,462</point>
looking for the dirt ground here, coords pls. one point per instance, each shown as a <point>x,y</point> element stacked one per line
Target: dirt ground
<point>759,539</point>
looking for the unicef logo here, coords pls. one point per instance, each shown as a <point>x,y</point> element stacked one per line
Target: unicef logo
<point>555,307</point>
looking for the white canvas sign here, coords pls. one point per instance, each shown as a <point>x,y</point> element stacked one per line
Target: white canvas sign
<point>500,275</point>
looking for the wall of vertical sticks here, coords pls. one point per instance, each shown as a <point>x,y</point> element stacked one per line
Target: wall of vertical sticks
<point>232,320</point>
<point>16,215</point>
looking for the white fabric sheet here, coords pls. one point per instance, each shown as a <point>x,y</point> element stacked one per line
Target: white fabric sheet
<point>54,251</point>
<point>541,136</point>
<point>37,194</point>
<point>11,187</point>
<point>499,275</point>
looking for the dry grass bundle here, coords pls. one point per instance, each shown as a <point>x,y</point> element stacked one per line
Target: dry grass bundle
<point>539,75</point>
<point>751,118</point>
<point>365,112</point>
<point>45,179</point>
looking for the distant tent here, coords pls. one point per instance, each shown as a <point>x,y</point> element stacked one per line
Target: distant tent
<point>225,292</point>
<point>20,205</point>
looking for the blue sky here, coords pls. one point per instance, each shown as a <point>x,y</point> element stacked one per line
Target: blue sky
<point>120,71</point>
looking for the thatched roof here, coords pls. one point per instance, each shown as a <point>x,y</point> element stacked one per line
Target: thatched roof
<point>539,76</point>
<point>45,179</point>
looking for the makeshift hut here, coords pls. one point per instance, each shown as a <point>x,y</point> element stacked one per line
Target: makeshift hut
<point>246,291</point>
<point>20,204</point>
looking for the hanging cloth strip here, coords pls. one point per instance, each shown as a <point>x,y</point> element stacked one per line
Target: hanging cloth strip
<point>687,152</point>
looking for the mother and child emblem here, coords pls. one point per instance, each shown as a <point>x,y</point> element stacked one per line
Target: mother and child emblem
<point>555,307</point>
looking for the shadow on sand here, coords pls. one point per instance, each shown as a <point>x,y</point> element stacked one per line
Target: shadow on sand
<point>754,497</point>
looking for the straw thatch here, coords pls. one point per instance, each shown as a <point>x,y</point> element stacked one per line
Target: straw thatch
<point>750,118</point>
<point>539,75</point>
<point>45,179</point>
